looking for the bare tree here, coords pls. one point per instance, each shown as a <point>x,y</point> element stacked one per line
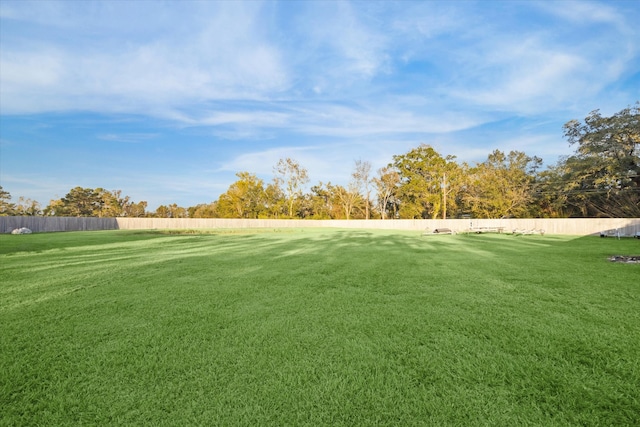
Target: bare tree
<point>387,183</point>
<point>347,199</point>
<point>362,182</point>
<point>294,178</point>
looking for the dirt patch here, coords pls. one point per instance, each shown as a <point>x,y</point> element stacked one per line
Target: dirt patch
<point>628,259</point>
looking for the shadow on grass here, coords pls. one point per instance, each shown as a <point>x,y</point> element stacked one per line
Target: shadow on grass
<point>443,330</point>
<point>40,242</point>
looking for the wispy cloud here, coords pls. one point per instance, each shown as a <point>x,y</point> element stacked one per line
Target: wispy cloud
<point>249,82</point>
<point>585,13</point>
<point>222,57</point>
<point>535,73</point>
<point>364,121</point>
<point>523,74</point>
<point>133,138</point>
<point>334,119</point>
<point>231,51</point>
<point>41,187</point>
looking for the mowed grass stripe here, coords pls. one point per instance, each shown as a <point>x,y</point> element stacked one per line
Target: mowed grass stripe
<point>317,327</point>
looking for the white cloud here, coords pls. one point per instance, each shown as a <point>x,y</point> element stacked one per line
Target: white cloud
<point>362,47</point>
<point>398,115</point>
<point>323,82</point>
<point>252,118</point>
<point>336,47</point>
<point>526,75</point>
<point>534,72</point>
<point>32,71</point>
<point>133,138</point>
<point>583,12</point>
<point>385,118</point>
<point>218,59</point>
<point>232,51</point>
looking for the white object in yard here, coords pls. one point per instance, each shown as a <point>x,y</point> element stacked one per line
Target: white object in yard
<point>22,230</point>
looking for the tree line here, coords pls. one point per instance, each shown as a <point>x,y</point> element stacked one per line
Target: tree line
<point>600,179</point>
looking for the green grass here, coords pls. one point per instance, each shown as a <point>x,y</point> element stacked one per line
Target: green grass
<point>317,327</point>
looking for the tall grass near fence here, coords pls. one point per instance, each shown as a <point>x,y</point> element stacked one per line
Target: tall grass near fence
<point>317,327</point>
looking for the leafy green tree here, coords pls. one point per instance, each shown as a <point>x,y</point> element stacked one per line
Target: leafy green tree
<point>79,202</point>
<point>319,202</point>
<point>245,198</point>
<point>551,201</point>
<point>94,202</point>
<point>293,176</point>
<point>274,199</point>
<point>6,207</point>
<point>602,178</point>
<point>454,181</point>
<point>170,211</point>
<point>423,172</point>
<point>54,208</point>
<point>203,210</point>
<point>111,203</point>
<point>502,186</point>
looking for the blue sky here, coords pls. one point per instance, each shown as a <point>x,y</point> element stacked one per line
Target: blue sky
<point>167,101</point>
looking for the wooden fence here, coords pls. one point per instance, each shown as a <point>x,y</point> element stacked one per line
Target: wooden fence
<point>570,226</point>
<point>39,224</point>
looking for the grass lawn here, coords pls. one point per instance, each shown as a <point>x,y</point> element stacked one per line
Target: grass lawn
<point>317,327</point>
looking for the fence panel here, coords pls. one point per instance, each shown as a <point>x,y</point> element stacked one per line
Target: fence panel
<point>40,224</point>
<point>570,226</point>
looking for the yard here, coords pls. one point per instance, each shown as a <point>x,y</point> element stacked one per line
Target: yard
<point>317,327</point>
